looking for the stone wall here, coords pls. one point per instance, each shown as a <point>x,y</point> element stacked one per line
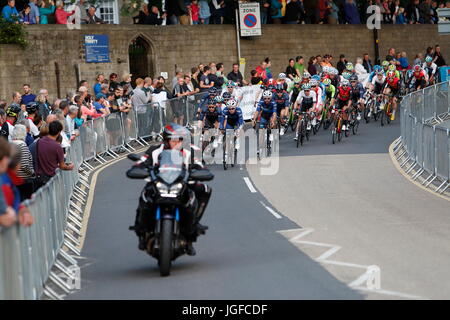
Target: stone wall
<point>186,46</point>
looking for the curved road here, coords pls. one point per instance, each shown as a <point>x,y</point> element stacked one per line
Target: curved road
<point>343,208</point>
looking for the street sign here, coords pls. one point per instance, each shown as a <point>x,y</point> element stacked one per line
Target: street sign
<point>97,48</point>
<point>249,18</point>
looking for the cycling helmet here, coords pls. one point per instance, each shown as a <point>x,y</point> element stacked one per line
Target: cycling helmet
<point>306,86</point>
<point>392,67</point>
<point>428,59</point>
<point>380,72</point>
<point>13,110</point>
<point>391,74</point>
<point>417,68</point>
<point>232,103</point>
<point>345,83</point>
<point>218,99</point>
<point>279,87</point>
<point>31,107</point>
<point>267,94</point>
<point>282,76</point>
<point>346,75</point>
<point>226,95</point>
<point>326,82</point>
<point>353,77</point>
<point>377,68</point>
<point>306,75</point>
<point>385,63</point>
<point>315,77</point>
<point>271,87</point>
<point>349,66</point>
<point>231,84</point>
<point>297,80</point>
<point>271,82</point>
<point>326,69</point>
<point>313,83</point>
<point>212,91</point>
<point>173,131</point>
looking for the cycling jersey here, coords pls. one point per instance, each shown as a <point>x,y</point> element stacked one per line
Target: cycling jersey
<point>211,117</point>
<point>319,94</point>
<point>357,92</point>
<point>295,91</point>
<point>393,83</point>
<point>234,120</point>
<point>378,84</point>
<point>267,110</point>
<point>281,102</point>
<point>344,94</point>
<point>430,69</point>
<point>330,92</point>
<point>306,101</point>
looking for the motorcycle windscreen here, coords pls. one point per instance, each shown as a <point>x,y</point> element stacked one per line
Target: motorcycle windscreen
<point>170,166</point>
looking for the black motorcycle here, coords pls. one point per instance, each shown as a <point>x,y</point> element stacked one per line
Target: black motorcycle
<point>168,195</point>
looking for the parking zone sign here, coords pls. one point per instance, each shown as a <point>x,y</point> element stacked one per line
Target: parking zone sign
<point>249,19</point>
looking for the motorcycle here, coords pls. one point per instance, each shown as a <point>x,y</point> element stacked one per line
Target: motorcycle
<point>169,198</point>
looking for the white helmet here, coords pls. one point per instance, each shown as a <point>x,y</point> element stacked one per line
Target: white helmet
<point>282,76</point>
<point>267,94</point>
<point>232,103</point>
<point>345,82</point>
<point>326,69</point>
<point>334,71</point>
<point>313,82</point>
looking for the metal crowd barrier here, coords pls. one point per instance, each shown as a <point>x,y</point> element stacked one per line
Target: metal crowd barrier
<point>27,255</point>
<point>424,145</point>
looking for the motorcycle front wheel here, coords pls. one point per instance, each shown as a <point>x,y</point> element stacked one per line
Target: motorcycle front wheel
<point>165,251</point>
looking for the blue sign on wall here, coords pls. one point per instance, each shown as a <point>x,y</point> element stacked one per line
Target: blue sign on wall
<point>444,73</point>
<point>97,48</point>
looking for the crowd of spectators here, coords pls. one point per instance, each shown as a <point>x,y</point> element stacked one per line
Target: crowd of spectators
<point>193,12</point>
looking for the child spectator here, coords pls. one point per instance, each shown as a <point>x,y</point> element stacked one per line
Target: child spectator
<point>400,18</point>
<point>194,11</point>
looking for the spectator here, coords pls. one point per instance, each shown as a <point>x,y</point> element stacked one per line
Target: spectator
<point>35,11</point>
<point>311,11</point>
<point>217,11</point>
<point>10,181</point>
<point>391,54</point>
<point>236,76</point>
<point>351,12</point>
<point>113,84</point>
<point>264,6</point>
<point>367,63</point>
<point>385,10</point>
<point>178,75</point>
<point>70,121</point>
<point>433,11</point>
<point>275,11</point>
<point>204,13</point>
<point>26,170</point>
<point>139,96</point>
<point>26,17</point>
<point>144,14</point>
<point>194,78</point>
<point>261,70</point>
<point>221,79</point>
<point>10,13</point>
<point>333,12</point>
<point>291,73</point>
<point>425,11</point>
<point>292,15</point>
<point>7,214</point>
<point>324,8</point>
<point>98,86</point>
<point>341,63</point>
<point>12,113</point>
<point>430,52</point>
<point>400,18</point>
<point>413,12</point>
<point>27,95</point>
<point>154,19</point>
<point>318,64</point>
<point>84,19</point>
<point>404,64</point>
<point>60,14</point>
<point>327,60</point>
<point>255,78</point>
<point>418,60</point>
<point>205,80</point>
<point>100,105</point>
<point>147,88</point>
<point>269,64</point>
<point>92,18</point>
<point>50,155</point>
<point>194,10</point>
<point>44,11</point>
<point>299,66</point>
<point>360,70</point>
<point>175,9</point>
<point>31,116</point>
<point>312,65</point>
<point>437,57</point>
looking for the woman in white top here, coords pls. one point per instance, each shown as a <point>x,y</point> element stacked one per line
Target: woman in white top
<point>360,70</point>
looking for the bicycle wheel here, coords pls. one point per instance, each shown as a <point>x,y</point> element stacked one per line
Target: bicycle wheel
<point>355,127</point>
<point>366,112</point>
<point>269,143</point>
<point>234,153</point>
<point>225,166</point>
<point>297,135</point>
<point>388,114</point>
<point>333,135</point>
<point>302,132</point>
<point>382,117</point>
<point>339,130</point>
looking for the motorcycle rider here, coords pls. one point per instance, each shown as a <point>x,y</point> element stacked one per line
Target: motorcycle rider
<point>173,135</point>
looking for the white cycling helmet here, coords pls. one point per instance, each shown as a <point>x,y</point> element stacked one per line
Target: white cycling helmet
<point>326,69</point>
<point>334,71</point>
<point>313,82</point>
<point>267,94</point>
<point>232,103</point>
<point>282,76</point>
<point>345,82</point>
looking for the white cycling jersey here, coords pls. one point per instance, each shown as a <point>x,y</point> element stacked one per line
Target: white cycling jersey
<point>302,96</point>
<point>433,67</point>
<point>376,80</point>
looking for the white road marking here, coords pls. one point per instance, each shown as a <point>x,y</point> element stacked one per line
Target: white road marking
<point>275,214</point>
<point>249,185</point>
<point>366,277</point>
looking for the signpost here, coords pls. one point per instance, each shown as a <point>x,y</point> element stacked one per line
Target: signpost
<point>96,48</point>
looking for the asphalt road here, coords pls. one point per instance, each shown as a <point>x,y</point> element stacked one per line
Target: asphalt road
<point>242,256</point>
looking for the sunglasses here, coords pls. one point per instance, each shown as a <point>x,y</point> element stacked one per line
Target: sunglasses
<point>231,108</point>
<point>267,98</point>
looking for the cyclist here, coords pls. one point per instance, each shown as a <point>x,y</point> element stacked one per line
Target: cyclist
<point>334,76</point>
<point>430,68</point>
<point>357,94</point>
<point>343,101</point>
<point>294,89</point>
<point>267,112</point>
<point>306,77</point>
<point>345,75</point>
<point>226,96</point>
<point>419,79</point>
<point>319,97</point>
<point>282,79</point>
<point>393,67</point>
<point>392,86</point>
<point>232,118</point>
<point>330,92</point>
<point>281,99</point>
<point>349,68</point>
<point>305,102</point>
<point>210,118</point>
<point>385,65</point>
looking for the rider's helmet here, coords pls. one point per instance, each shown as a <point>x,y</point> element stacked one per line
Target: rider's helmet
<point>346,75</point>
<point>428,59</point>
<point>267,94</point>
<point>353,78</point>
<point>297,80</point>
<point>212,91</point>
<point>306,86</point>
<point>377,68</point>
<point>230,84</point>
<point>326,69</point>
<point>345,83</point>
<point>380,73</point>
<point>349,66</point>
<point>31,107</point>
<point>417,68</point>
<point>306,75</point>
<point>390,74</point>
<point>385,63</point>
<point>173,131</point>
<point>279,88</point>
<point>334,71</point>
<point>313,82</point>
<point>226,95</point>
<point>315,77</point>
<point>218,99</point>
<point>13,110</point>
<point>282,76</point>
<point>392,67</point>
<point>232,103</point>
<point>326,82</point>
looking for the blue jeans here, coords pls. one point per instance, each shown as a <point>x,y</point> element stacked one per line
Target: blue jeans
<point>206,21</point>
<point>173,19</point>
<point>195,22</point>
<point>263,17</point>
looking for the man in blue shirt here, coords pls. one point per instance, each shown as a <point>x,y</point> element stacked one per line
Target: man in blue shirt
<point>27,95</point>
<point>34,10</point>
<point>9,12</point>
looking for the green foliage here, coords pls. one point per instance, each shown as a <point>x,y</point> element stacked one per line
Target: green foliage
<point>12,33</point>
<point>131,8</point>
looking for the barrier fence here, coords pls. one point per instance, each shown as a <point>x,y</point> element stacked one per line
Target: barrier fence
<point>424,145</point>
<point>27,255</point>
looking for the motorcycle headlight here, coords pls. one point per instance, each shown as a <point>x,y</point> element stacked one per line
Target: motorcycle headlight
<point>176,188</point>
<point>162,187</point>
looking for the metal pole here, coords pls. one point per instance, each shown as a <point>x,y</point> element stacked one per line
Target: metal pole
<point>376,49</point>
<point>238,39</point>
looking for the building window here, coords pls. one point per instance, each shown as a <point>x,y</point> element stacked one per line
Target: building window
<point>108,11</point>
